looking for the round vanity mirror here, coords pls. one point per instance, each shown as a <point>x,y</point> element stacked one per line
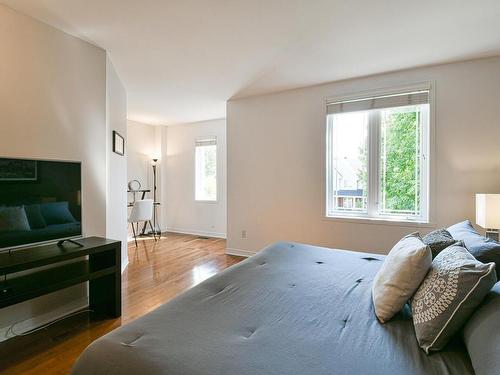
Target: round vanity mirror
<point>134,185</point>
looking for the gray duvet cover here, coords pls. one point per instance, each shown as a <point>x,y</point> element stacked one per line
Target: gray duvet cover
<point>291,309</point>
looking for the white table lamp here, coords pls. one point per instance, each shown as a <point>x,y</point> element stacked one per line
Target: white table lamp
<point>488,213</point>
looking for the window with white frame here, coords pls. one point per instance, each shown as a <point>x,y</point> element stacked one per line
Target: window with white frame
<point>377,163</point>
<point>206,169</point>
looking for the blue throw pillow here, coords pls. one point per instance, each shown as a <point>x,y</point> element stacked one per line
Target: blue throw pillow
<point>35,217</point>
<point>484,249</point>
<point>13,219</point>
<point>56,213</point>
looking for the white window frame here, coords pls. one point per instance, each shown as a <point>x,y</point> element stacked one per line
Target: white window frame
<point>198,139</point>
<point>426,219</point>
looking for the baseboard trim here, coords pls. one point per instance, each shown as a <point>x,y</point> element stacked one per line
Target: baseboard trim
<point>239,252</point>
<point>124,264</point>
<point>196,232</point>
<point>50,316</point>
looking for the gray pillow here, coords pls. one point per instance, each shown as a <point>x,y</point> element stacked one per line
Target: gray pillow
<point>403,270</point>
<point>438,240</point>
<point>455,285</point>
<point>484,249</point>
<point>13,219</point>
<point>482,334</point>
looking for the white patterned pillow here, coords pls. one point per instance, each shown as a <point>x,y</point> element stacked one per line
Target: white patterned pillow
<point>455,285</point>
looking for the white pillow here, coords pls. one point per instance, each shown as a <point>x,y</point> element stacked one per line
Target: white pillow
<point>401,274</point>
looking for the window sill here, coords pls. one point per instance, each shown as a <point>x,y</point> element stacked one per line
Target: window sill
<point>378,221</point>
<point>206,201</point>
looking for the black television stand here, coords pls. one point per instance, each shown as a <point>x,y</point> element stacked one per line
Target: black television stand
<point>97,260</point>
<point>74,242</point>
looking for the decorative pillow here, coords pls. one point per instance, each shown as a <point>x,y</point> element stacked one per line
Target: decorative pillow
<point>482,334</point>
<point>56,213</point>
<point>13,219</point>
<point>484,249</point>
<point>35,217</point>
<point>438,240</point>
<point>403,270</point>
<point>454,286</point>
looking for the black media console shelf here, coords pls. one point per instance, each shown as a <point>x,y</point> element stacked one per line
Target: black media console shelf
<point>102,269</point>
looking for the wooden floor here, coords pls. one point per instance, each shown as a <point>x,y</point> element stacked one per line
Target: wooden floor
<point>156,273</point>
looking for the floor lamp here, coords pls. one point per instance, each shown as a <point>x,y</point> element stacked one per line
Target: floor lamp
<point>155,203</point>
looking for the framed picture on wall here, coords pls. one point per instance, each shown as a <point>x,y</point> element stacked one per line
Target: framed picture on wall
<point>118,143</point>
<point>18,170</point>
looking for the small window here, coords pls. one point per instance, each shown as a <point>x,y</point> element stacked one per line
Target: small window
<point>377,157</point>
<point>206,169</point>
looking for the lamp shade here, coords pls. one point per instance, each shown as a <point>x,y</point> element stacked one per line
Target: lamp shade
<point>488,210</point>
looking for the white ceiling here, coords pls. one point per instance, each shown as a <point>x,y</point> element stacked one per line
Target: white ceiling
<point>180,60</point>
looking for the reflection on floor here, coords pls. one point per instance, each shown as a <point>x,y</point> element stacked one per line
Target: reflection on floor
<point>157,272</point>
<point>203,272</point>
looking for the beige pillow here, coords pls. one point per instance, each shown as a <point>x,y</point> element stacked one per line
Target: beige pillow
<point>400,276</point>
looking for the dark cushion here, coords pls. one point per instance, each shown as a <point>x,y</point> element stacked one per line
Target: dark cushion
<point>438,240</point>
<point>13,219</point>
<point>49,233</point>
<point>35,217</point>
<point>56,213</point>
<point>455,285</point>
<point>482,334</point>
<point>484,249</point>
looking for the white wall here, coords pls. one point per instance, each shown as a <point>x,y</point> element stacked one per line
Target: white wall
<point>141,146</point>
<point>116,200</point>
<point>182,212</point>
<point>276,158</point>
<point>143,142</point>
<point>53,106</point>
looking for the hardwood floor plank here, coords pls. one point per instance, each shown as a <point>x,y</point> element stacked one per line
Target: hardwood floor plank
<point>157,272</point>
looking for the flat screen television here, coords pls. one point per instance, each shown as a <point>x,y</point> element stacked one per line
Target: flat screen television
<point>40,202</point>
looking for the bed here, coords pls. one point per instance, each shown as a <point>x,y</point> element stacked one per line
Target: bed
<point>290,309</point>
